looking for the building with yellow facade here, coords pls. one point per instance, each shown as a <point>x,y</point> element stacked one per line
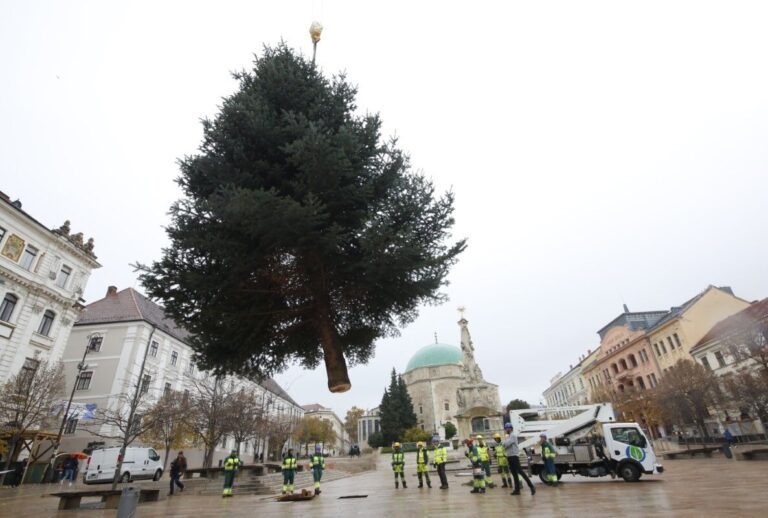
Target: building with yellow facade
<point>673,337</point>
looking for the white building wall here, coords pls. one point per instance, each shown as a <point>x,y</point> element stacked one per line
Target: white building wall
<point>116,370</point>
<point>37,290</point>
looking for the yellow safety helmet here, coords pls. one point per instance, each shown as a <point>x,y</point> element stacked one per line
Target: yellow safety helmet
<point>497,436</point>
<point>419,444</point>
<point>396,445</point>
<point>479,437</point>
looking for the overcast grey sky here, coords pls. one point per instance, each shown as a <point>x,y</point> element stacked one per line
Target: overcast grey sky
<point>600,152</point>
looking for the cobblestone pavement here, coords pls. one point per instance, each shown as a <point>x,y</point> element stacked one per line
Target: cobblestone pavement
<point>708,487</point>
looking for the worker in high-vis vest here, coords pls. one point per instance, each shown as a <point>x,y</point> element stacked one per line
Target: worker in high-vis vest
<point>548,455</point>
<point>501,460</point>
<point>231,464</point>
<point>478,475</point>
<point>441,458</point>
<point>485,460</point>
<point>289,472</point>
<point>317,463</point>
<point>422,465</point>
<point>398,464</point>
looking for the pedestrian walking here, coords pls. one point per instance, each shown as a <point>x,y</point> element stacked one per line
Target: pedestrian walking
<point>441,458</point>
<point>422,465</point>
<point>18,473</point>
<point>548,455</point>
<point>70,470</point>
<point>512,451</point>
<point>178,469</point>
<point>317,463</point>
<point>398,465</point>
<point>231,465</point>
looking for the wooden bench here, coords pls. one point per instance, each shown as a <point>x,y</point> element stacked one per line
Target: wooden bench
<point>111,498</point>
<point>749,452</point>
<point>705,451</point>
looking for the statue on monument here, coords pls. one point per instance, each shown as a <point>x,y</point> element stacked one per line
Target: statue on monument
<point>471,368</point>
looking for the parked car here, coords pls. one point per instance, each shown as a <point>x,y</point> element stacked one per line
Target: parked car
<point>139,463</point>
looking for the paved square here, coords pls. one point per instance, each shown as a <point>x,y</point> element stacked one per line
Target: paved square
<point>711,487</point>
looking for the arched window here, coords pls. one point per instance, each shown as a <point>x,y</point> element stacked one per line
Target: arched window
<point>7,306</point>
<point>46,322</point>
<point>632,360</point>
<point>479,424</point>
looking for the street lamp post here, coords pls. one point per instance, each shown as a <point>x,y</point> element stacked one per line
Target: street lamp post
<point>80,368</point>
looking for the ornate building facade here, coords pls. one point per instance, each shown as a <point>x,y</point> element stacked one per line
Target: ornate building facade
<point>43,275</point>
<point>446,385</point>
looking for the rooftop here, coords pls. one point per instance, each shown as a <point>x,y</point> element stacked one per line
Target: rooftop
<point>129,305</point>
<point>635,321</point>
<point>435,354</point>
<point>676,311</point>
<point>733,324</point>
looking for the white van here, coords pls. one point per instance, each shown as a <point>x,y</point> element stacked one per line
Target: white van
<point>139,463</point>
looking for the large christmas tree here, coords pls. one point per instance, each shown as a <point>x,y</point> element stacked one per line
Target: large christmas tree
<point>301,234</point>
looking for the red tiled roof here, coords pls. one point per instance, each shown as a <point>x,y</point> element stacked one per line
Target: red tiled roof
<point>129,305</point>
<point>756,312</point>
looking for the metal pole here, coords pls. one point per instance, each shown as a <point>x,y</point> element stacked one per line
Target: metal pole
<point>80,368</point>
<point>132,411</point>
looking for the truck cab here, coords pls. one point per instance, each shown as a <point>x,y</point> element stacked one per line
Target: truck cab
<point>630,450</point>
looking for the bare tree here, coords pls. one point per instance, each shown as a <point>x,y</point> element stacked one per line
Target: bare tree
<point>686,393</point>
<point>26,400</point>
<point>247,415</point>
<point>128,419</point>
<point>748,389</point>
<point>640,405</point>
<point>169,423</point>
<point>350,421</point>
<point>750,345</point>
<point>209,418</point>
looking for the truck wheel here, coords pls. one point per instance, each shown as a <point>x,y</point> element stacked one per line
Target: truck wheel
<point>543,476</point>
<point>158,474</point>
<point>629,472</point>
<point>126,477</point>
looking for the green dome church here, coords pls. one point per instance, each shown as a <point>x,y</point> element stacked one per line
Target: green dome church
<point>446,385</point>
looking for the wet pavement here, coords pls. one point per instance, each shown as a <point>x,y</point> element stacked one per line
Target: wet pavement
<point>710,487</point>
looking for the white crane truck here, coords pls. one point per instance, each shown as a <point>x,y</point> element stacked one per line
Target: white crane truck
<point>588,442</point>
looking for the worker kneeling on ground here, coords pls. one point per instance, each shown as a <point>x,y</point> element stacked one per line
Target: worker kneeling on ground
<point>231,464</point>
<point>317,463</point>
<point>398,464</point>
<point>422,464</point>
<point>548,455</point>
<point>478,474</point>
<point>289,472</point>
